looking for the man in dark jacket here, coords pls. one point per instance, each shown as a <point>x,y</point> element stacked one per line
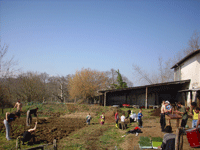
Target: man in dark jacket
<point>29,116</point>
<point>168,139</point>
<point>27,136</point>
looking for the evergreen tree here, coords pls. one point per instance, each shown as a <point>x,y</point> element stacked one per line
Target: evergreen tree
<point>120,84</point>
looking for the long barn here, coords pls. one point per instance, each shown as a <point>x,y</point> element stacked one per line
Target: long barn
<point>146,96</point>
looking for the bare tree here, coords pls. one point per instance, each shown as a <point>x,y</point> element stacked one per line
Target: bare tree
<point>7,67</point>
<point>142,75</point>
<point>193,43</point>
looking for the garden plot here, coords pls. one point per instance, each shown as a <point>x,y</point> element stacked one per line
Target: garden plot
<point>47,129</point>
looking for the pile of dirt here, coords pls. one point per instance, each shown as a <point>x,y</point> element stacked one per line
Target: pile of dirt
<point>156,112</point>
<point>47,129</point>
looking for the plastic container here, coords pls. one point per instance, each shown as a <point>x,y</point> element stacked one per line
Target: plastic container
<point>193,136</point>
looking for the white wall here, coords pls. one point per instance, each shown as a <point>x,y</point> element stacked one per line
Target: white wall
<point>189,69</point>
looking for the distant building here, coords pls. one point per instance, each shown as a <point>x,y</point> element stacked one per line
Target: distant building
<point>185,88</point>
<point>189,68</point>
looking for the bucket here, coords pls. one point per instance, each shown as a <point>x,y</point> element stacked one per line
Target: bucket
<point>193,136</point>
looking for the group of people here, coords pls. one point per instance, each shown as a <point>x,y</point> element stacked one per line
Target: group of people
<point>169,137</point>
<point>131,116</point>
<point>10,117</point>
<point>182,110</point>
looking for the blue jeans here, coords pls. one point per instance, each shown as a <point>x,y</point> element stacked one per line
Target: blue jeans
<point>194,123</point>
<point>88,121</point>
<point>7,129</point>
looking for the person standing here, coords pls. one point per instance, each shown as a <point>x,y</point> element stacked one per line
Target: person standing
<point>194,112</point>
<point>29,115</point>
<point>168,110</point>
<point>162,116</point>
<point>102,119</point>
<point>18,106</point>
<point>116,119</point>
<point>183,112</point>
<point>88,118</point>
<point>123,121</point>
<point>140,115</point>
<point>8,119</point>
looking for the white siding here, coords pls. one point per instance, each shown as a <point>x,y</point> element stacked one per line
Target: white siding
<point>190,69</point>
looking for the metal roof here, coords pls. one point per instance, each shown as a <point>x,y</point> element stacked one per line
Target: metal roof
<point>190,90</point>
<point>151,85</point>
<point>186,58</point>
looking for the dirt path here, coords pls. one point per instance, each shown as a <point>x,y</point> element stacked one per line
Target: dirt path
<point>151,128</point>
<point>81,115</point>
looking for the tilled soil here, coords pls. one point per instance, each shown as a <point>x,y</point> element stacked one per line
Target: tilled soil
<point>47,129</point>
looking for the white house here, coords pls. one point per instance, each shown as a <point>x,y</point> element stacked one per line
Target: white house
<point>189,68</point>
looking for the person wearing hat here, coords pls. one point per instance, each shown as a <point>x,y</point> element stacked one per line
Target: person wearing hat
<point>168,110</point>
<point>168,139</point>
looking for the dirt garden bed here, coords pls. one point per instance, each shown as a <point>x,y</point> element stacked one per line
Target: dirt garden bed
<point>47,129</point>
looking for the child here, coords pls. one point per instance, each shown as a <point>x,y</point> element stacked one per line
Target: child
<point>102,119</point>
<point>123,121</point>
<point>88,119</point>
<point>116,119</point>
<point>140,115</point>
<point>168,111</point>
<point>194,113</point>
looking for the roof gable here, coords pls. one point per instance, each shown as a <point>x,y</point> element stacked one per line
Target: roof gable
<point>186,58</point>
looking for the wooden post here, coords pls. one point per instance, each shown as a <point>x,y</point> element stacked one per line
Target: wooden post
<point>185,98</point>
<point>18,143</point>
<point>54,144</point>
<point>146,98</point>
<point>177,139</point>
<point>104,99</point>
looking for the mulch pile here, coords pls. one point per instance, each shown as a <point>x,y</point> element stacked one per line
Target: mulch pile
<point>156,112</point>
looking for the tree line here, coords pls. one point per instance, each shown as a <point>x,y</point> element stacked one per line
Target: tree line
<point>41,87</point>
<point>83,85</point>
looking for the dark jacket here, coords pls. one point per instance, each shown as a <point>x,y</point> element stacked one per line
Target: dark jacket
<point>168,142</point>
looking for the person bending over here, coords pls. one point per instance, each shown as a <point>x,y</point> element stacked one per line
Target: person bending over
<point>27,136</point>
<point>7,121</point>
<point>29,115</point>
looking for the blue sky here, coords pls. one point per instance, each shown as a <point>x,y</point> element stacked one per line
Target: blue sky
<point>60,37</point>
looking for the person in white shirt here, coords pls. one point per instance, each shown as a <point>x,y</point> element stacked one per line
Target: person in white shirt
<point>162,116</point>
<point>123,121</point>
<point>88,118</point>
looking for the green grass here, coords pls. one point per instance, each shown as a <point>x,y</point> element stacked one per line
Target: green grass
<point>145,141</point>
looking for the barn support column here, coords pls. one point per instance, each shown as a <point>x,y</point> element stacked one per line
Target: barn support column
<point>104,99</point>
<point>146,98</point>
<point>185,97</point>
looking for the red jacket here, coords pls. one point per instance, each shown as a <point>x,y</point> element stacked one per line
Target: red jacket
<point>116,116</point>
